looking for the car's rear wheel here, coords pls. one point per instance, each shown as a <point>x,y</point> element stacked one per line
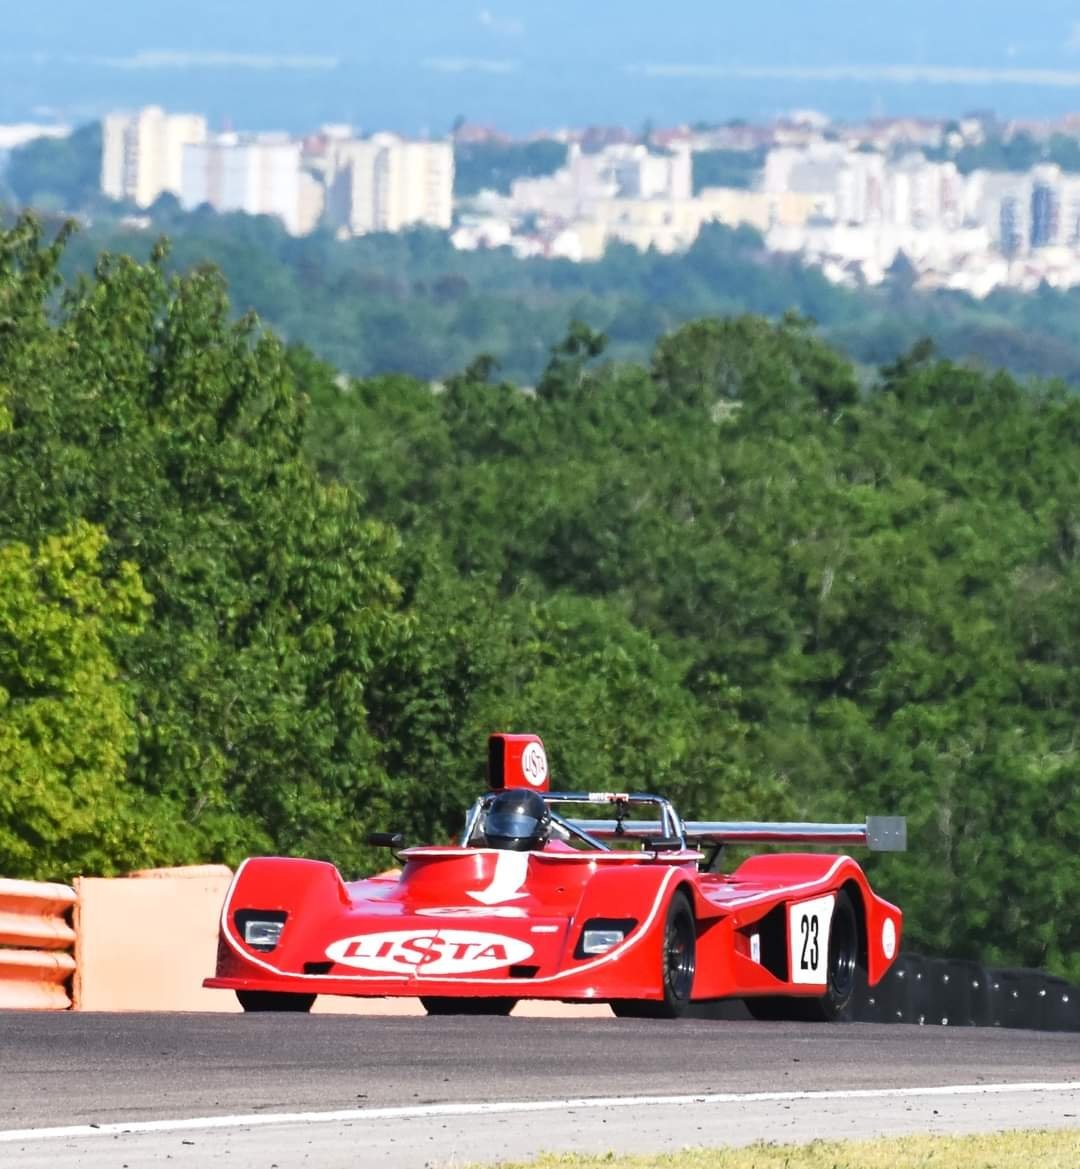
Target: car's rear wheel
<point>468,1006</point>
<point>678,963</point>
<point>275,1000</point>
<point>844,973</point>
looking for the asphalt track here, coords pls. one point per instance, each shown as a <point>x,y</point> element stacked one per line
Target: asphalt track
<point>333,1092</point>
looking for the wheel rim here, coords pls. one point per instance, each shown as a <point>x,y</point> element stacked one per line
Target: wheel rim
<point>679,957</point>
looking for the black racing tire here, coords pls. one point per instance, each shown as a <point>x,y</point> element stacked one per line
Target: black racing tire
<point>678,964</point>
<point>468,1006</point>
<point>844,975</point>
<point>275,1000</point>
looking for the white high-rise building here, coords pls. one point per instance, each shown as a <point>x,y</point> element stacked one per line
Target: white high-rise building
<point>1003,203</point>
<point>142,153</point>
<point>259,176</point>
<point>816,171</point>
<point>385,183</point>
<point>860,189</point>
<point>1070,211</point>
<point>812,169</point>
<point>928,195</point>
<point>616,172</point>
<point>639,174</point>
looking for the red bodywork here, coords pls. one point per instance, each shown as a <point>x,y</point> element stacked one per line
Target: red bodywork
<point>480,922</point>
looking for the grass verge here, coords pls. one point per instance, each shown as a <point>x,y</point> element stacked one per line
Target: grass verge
<point>1011,1150</point>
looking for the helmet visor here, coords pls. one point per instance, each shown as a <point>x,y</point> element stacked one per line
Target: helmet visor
<point>511,825</point>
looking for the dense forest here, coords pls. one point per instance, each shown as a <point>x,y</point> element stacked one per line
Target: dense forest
<point>411,303</point>
<point>248,604</point>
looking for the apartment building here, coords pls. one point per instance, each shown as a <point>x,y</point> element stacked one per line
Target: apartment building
<point>616,172</point>
<point>387,183</point>
<point>143,153</point>
<point>257,174</point>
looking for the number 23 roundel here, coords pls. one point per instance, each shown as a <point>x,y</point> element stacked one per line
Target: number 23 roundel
<point>808,936</point>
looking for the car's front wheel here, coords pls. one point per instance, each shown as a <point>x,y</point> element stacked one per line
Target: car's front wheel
<point>677,965</point>
<point>275,1000</point>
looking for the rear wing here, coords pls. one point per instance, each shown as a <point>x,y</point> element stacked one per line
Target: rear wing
<point>878,833</point>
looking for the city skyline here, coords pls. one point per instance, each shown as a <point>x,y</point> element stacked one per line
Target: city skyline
<point>850,200</point>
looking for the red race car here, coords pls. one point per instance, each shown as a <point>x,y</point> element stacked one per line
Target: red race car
<point>628,909</point>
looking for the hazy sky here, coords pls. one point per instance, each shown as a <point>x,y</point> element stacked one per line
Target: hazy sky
<point>414,65</point>
<point>995,33</point>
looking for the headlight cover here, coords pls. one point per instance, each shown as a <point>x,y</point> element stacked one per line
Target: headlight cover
<point>601,934</point>
<point>600,941</point>
<point>261,928</point>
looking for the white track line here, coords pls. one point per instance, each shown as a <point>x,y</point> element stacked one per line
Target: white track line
<point>355,1115</point>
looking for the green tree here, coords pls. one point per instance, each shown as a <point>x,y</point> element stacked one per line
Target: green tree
<point>726,168</point>
<point>493,166</point>
<point>147,410</point>
<point>409,303</point>
<point>848,599</point>
<point>58,174</point>
<point>66,712</point>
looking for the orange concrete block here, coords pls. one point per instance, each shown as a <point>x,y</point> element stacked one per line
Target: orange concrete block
<point>549,1009</point>
<point>335,1004</point>
<point>189,872</point>
<point>146,945</point>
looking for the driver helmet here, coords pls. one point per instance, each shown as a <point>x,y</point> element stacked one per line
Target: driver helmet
<point>517,820</point>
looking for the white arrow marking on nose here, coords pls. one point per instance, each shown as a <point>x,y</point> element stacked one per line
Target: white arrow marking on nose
<point>506,881</point>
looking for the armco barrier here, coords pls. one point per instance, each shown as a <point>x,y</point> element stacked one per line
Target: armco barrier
<point>35,935</point>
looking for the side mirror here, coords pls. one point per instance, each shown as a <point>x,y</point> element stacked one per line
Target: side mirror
<point>385,839</point>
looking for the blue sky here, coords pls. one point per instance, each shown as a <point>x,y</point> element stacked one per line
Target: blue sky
<point>1035,34</point>
<point>525,64</point>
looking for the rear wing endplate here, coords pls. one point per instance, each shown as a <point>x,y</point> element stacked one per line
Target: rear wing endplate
<point>886,833</point>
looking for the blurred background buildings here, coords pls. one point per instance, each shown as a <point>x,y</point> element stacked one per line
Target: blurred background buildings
<point>859,200</point>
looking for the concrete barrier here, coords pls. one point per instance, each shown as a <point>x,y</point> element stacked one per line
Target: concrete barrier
<point>146,942</point>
